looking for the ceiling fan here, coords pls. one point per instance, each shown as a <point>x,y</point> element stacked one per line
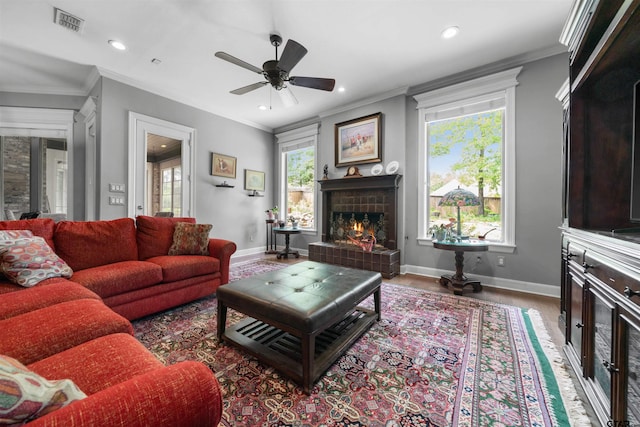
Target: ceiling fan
<point>276,72</point>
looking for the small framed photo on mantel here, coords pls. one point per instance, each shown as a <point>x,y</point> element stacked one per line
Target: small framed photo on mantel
<point>359,141</point>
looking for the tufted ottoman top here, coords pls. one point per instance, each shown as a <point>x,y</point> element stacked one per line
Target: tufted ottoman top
<point>304,296</point>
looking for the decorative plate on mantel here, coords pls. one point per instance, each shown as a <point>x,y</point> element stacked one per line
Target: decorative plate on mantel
<point>377,169</point>
<point>392,167</point>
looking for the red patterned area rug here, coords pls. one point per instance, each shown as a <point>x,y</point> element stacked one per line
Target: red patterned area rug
<point>433,360</point>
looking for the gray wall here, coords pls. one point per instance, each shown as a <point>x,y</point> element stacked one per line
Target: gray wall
<point>393,148</point>
<point>538,176</point>
<point>234,215</point>
<point>240,218</point>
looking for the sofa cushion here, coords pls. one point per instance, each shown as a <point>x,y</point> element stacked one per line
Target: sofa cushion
<point>45,294</point>
<point>86,244</point>
<point>38,334</point>
<point>183,267</point>
<point>99,363</point>
<point>6,287</point>
<point>190,239</point>
<point>25,395</point>
<point>28,261</point>
<point>118,278</point>
<point>155,234</point>
<point>42,227</point>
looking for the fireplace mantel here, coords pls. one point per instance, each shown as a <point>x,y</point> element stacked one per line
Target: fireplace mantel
<point>360,182</point>
<point>365,194</point>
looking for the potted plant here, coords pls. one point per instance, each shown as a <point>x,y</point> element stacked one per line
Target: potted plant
<point>294,221</point>
<point>272,213</point>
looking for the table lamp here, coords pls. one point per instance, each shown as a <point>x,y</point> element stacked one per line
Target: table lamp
<point>459,198</point>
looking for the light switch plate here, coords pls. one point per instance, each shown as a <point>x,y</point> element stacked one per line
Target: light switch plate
<point>119,201</point>
<point>116,188</point>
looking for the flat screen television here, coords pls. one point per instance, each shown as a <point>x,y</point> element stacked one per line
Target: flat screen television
<point>635,171</point>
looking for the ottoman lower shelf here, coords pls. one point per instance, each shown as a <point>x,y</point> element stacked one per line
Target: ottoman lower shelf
<point>283,350</point>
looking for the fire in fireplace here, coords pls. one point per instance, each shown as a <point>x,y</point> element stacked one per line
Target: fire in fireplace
<point>366,230</point>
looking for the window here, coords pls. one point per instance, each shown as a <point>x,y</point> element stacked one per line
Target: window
<point>297,175</point>
<point>467,140</point>
<point>171,190</point>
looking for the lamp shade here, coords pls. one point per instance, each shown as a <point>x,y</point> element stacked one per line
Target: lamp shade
<point>459,197</point>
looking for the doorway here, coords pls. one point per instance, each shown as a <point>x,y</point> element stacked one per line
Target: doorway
<point>160,159</point>
<point>36,162</point>
<point>164,172</point>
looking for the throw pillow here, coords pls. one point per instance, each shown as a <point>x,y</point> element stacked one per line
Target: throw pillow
<point>190,239</point>
<point>15,234</point>
<point>25,395</point>
<point>28,261</point>
<point>155,234</point>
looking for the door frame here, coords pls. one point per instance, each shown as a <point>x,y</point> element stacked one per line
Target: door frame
<point>42,122</point>
<point>141,125</point>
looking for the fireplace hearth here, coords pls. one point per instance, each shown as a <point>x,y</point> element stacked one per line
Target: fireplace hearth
<point>359,228</point>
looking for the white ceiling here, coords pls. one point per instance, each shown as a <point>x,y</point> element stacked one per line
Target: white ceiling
<point>371,47</point>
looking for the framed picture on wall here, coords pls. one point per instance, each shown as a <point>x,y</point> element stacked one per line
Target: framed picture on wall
<point>359,140</point>
<point>253,180</point>
<point>222,165</point>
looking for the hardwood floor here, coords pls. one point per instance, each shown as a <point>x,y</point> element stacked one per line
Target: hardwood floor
<point>548,307</point>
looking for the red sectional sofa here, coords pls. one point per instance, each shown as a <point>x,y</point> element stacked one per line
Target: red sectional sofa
<point>79,329</point>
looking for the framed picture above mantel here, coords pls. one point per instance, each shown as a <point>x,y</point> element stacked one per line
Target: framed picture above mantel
<point>359,141</point>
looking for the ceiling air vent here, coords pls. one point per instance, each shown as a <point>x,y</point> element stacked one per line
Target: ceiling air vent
<point>68,21</point>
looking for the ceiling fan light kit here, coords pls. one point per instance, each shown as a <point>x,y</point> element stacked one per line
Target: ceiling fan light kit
<point>276,72</point>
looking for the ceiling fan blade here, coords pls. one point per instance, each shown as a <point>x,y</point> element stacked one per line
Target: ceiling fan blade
<point>313,82</point>
<point>249,88</point>
<point>239,62</point>
<point>287,97</point>
<point>292,54</point>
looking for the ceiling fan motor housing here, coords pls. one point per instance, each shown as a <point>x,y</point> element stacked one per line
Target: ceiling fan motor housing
<point>274,75</point>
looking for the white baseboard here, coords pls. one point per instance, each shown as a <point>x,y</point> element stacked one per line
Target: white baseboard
<point>487,281</point>
<point>253,253</point>
<point>490,281</point>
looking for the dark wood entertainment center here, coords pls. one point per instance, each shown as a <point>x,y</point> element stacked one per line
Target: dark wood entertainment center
<point>600,305</point>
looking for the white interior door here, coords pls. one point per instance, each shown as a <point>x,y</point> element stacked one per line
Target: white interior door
<point>139,127</point>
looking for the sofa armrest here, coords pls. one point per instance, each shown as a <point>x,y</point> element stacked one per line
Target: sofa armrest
<point>185,394</point>
<point>222,249</point>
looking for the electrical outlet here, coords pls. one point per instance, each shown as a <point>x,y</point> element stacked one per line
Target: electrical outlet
<point>500,261</point>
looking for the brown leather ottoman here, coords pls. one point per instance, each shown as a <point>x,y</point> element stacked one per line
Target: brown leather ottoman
<point>303,317</point>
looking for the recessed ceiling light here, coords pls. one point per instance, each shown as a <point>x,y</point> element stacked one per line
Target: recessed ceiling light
<point>341,89</point>
<point>262,107</point>
<point>450,32</point>
<point>163,146</point>
<point>117,45</point>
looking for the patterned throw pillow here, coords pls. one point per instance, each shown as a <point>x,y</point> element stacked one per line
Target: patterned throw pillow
<point>190,239</point>
<point>28,261</point>
<point>15,234</point>
<point>25,395</point>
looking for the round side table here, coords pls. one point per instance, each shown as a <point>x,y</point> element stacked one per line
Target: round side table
<point>459,280</point>
<point>287,231</point>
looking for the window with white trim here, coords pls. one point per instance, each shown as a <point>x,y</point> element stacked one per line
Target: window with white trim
<point>467,140</point>
<point>297,195</point>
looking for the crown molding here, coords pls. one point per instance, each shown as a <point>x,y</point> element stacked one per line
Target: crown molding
<point>176,97</point>
<point>366,101</point>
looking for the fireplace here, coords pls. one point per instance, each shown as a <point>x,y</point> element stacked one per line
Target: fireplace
<point>359,226</point>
